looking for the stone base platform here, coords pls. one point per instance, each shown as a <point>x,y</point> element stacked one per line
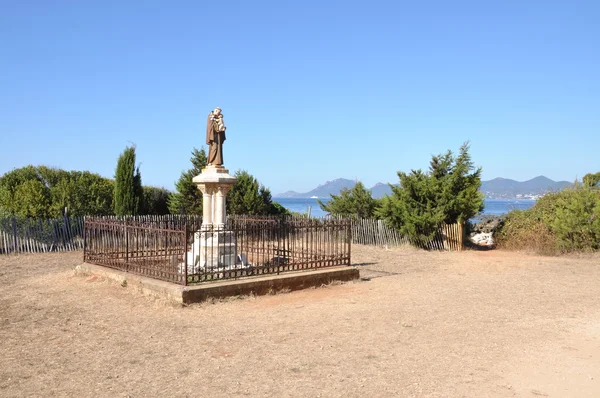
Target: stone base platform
<point>197,293</point>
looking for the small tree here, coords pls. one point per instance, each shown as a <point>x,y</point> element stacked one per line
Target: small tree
<point>249,197</point>
<point>156,200</point>
<point>591,180</point>
<point>356,202</point>
<point>458,181</point>
<point>128,192</point>
<point>448,193</point>
<point>188,198</point>
<point>412,208</point>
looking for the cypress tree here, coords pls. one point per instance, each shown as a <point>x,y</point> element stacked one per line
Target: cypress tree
<point>128,192</point>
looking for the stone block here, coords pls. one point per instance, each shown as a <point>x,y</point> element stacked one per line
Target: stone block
<point>213,250</point>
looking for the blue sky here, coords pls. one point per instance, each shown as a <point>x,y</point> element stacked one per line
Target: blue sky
<point>310,90</point>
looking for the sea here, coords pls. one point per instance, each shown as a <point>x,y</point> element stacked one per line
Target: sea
<point>495,207</point>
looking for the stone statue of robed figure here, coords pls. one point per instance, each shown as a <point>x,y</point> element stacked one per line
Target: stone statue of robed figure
<point>214,246</point>
<point>215,136</point>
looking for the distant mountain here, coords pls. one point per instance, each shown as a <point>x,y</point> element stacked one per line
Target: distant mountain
<point>380,190</point>
<point>330,188</point>
<point>322,191</point>
<point>503,188</point>
<point>498,188</point>
<point>334,187</point>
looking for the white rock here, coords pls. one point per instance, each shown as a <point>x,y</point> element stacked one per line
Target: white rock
<point>483,239</point>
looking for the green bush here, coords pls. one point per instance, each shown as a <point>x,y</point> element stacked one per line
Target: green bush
<point>563,222</point>
<point>156,200</point>
<point>356,202</point>
<point>40,191</point>
<point>447,193</point>
<point>577,221</point>
<point>249,197</point>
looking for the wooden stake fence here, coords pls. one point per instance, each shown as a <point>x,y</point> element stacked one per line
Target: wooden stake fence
<point>376,233</point>
<point>372,232</point>
<point>23,235</point>
<point>27,235</point>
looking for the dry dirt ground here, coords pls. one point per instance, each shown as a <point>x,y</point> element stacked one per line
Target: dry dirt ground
<point>421,324</point>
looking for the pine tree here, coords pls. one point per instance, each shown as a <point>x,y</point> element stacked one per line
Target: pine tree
<point>250,197</point>
<point>128,192</point>
<point>448,193</point>
<point>188,198</point>
<point>591,180</point>
<point>355,202</point>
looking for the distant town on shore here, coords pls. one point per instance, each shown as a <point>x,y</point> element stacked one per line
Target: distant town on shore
<point>498,188</point>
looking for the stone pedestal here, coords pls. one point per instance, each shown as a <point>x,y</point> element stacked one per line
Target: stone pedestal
<point>213,246</point>
<point>211,250</point>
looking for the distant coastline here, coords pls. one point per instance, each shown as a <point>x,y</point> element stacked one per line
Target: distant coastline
<point>495,207</point>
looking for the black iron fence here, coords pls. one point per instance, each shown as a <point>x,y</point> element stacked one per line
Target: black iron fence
<point>134,246</point>
<point>187,253</point>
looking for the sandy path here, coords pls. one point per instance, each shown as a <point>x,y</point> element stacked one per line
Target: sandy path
<point>424,324</point>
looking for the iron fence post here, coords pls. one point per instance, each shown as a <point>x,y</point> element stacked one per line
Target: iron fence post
<point>185,256</point>
<point>349,229</point>
<point>126,247</point>
<point>84,241</point>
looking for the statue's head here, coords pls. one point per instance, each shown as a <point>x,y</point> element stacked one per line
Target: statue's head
<point>217,111</point>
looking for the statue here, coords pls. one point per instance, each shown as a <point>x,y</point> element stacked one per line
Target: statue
<point>215,136</point>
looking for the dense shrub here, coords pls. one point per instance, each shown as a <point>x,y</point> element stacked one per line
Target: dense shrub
<point>42,192</point>
<point>249,197</point>
<point>356,202</point>
<point>563,222</point>
<point>447,193</point>
<point>156,200</point>
<point>591,180</point>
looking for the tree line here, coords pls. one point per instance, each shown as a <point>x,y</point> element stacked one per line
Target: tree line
<point>448,192</point>
<point>46,192</point>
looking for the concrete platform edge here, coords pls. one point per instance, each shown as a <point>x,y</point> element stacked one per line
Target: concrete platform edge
<point>197,293</point>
